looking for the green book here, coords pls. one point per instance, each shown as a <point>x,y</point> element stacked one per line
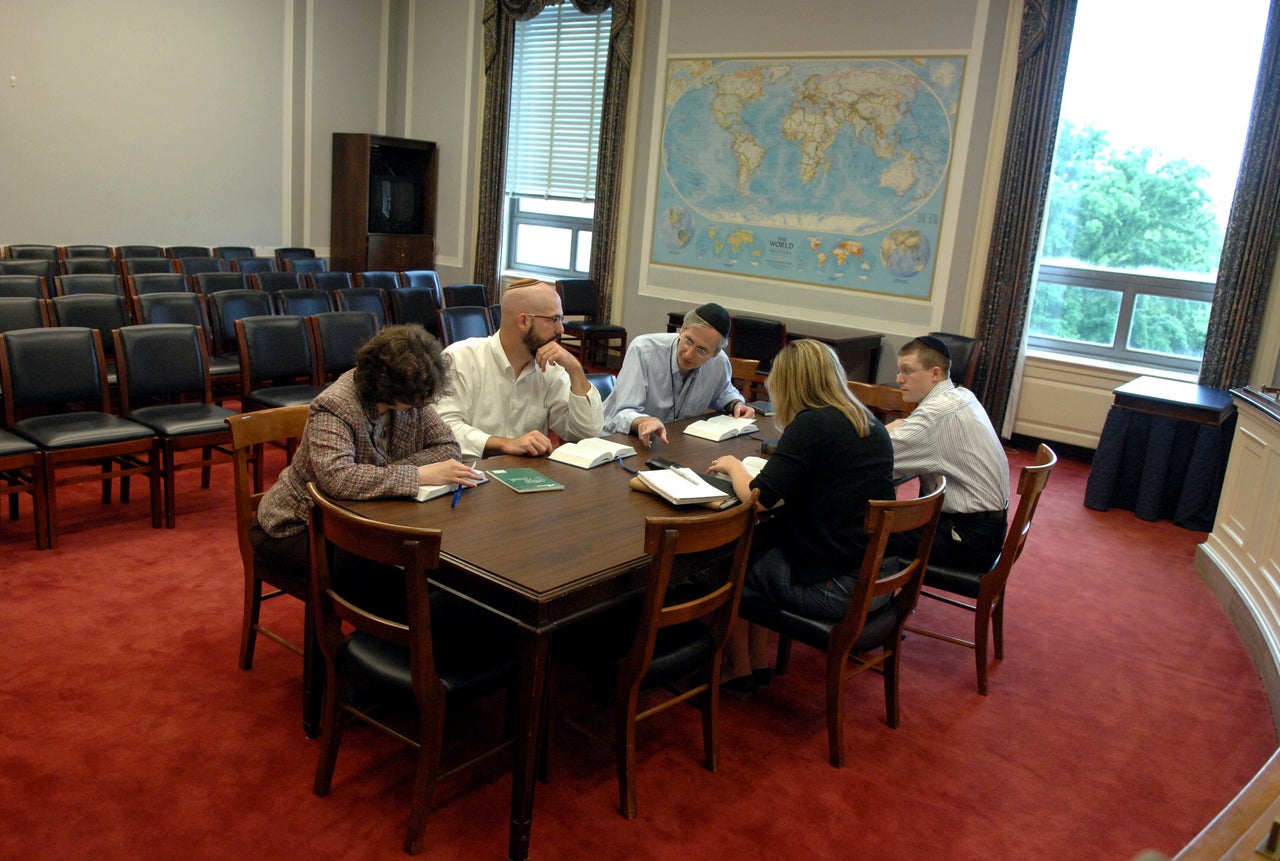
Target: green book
<point>525,480</point>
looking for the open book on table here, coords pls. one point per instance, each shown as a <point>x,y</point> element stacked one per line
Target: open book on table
<point>719,428</point>
<point>682,486</point>
<point>591,452</point>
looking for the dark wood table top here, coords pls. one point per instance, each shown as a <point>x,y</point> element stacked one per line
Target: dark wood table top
<point>543,559</point>
<point>1183,401</point>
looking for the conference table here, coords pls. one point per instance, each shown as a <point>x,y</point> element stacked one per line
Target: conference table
<point>544,560</point>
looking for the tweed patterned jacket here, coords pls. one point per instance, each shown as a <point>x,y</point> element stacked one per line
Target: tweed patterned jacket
<point>339,451</point>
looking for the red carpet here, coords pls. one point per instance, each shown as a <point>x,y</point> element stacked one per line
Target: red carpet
<point>1125,716</point>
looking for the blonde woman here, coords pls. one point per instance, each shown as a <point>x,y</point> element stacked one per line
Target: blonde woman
<point>833,456</point>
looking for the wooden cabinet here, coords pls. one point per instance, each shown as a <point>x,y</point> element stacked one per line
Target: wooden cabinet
<point>383,212</point>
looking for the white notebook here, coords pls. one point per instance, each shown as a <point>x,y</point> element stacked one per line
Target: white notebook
<point>591,452</point>
<point>681,486</point>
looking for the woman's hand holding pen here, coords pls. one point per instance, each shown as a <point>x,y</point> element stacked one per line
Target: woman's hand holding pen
<point>449,472</point>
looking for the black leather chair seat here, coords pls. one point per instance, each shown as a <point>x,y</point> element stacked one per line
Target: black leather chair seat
<point>586,327</point>
<point>11,445</point>
<point>962,581</point>
<point>817,632</point>
<point>282,396</point>
<point>597,644</point>
<point>472,650</point>
<point>69,430</point>
<point>183,419</point>
<point>224,366</point>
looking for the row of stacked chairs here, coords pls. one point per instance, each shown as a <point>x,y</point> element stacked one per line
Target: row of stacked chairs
<point>125,260</point>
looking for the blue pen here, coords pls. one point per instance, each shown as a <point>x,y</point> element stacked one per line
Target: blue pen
<point>457,494</point>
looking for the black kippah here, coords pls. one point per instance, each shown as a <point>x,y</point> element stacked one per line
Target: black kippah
<point>716,317</point>
<point>936,344</point>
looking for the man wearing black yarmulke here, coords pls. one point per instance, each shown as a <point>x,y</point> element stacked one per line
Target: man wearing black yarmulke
<point>949,433</point>
<point>671,376</point>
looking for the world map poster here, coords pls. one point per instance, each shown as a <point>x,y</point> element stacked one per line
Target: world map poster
<point>821,171</point>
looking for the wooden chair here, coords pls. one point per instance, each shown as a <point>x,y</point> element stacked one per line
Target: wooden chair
<point>590,339</point>
<point>193,266</point>
<point>22,312</point>
<point>157,282</point>
<point>282,255</point>
<point>742,374</point>
<point>985,589</point>
<point>208,283</point>
<point>757,338</point>
<point>144,265</point>
<point>370,299</point>
<point>22,471</point>
<point>878,610</point>
<point>161,367</point>
<point>885,401</point>
<point>250,433</point>
<point>44,373</point>
<point>416,305</point>
<point>252,265</point>
<point>23,286</point>
<point>381,279</point>
<point>89,284</point>
<point>424,278</point>
<point>306,265</point>
<point>88,266</point>
<point>670,643</point>
<point>445,651</point>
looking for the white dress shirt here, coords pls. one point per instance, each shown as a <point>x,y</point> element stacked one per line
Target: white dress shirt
<point>949,433</point>
<point>489,400</point>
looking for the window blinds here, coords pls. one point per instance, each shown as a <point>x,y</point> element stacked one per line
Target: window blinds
<point>557,88</point>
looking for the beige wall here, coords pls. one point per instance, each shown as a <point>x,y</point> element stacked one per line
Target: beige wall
<point>175,122</point>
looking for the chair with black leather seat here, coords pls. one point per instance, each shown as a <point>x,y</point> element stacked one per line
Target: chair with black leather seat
<point>164,384</point>
<point>141,265</point>
<point>195,265</point>
<point>445,653</point>
<point>383,280</point>
<point>55,395</point>
<point>303,265</point>
<point>252,265</point>
<point>88,266</point>
<point>964,356</point>
<point>294,253</point>
<point>22,471</point>
<point>233,252</point>
<point>463,321</point>
<point>329,281</point>
<point>23,286</point>
<point>337,335</point>
<point>986,589</point>
<point>127,252</point>
<point>416,305</point>
<point>46,269</point>
<point>22,312</point>
<point>177,252</point>
<point>157,282</point>
<point>659,646</point>
<point>885,595</point>
<point>225,307</point>
<point>302,301</point>
<point>371,299</point>
<point>460,295</point>
<point>495,316</point>
<point>78,251</point>
<point>270,282</point>
<point>424,278</point>
<point>31,252</point>
<point>250,433</point>
<point>103,313</point>
<point>209,283</point>
<point>604,383</point>
<point>276,350</point>
<point>80,285</point>
<point>589,338</point>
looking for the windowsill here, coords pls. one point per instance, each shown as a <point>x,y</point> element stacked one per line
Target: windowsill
<point>1109,366</point>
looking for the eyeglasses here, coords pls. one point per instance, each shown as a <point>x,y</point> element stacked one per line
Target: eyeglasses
<point>689,344</point>
<point>556,319</point>
<point>906,372</point>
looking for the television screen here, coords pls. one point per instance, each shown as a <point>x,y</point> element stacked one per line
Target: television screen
<point>395,205</point>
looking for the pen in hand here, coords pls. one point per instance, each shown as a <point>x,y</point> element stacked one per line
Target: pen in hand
<point>457,493</point>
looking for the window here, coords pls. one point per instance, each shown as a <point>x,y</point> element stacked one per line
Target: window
<point>1145,166</point>
<point>557,90</point>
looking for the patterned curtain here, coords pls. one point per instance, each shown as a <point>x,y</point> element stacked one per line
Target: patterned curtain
<point>1043,47</point>
<point>1253,230</point>
<point>500,17</point>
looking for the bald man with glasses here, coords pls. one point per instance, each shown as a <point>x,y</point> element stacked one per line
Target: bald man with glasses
<point>670,376</point>
<point>511,388</point>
